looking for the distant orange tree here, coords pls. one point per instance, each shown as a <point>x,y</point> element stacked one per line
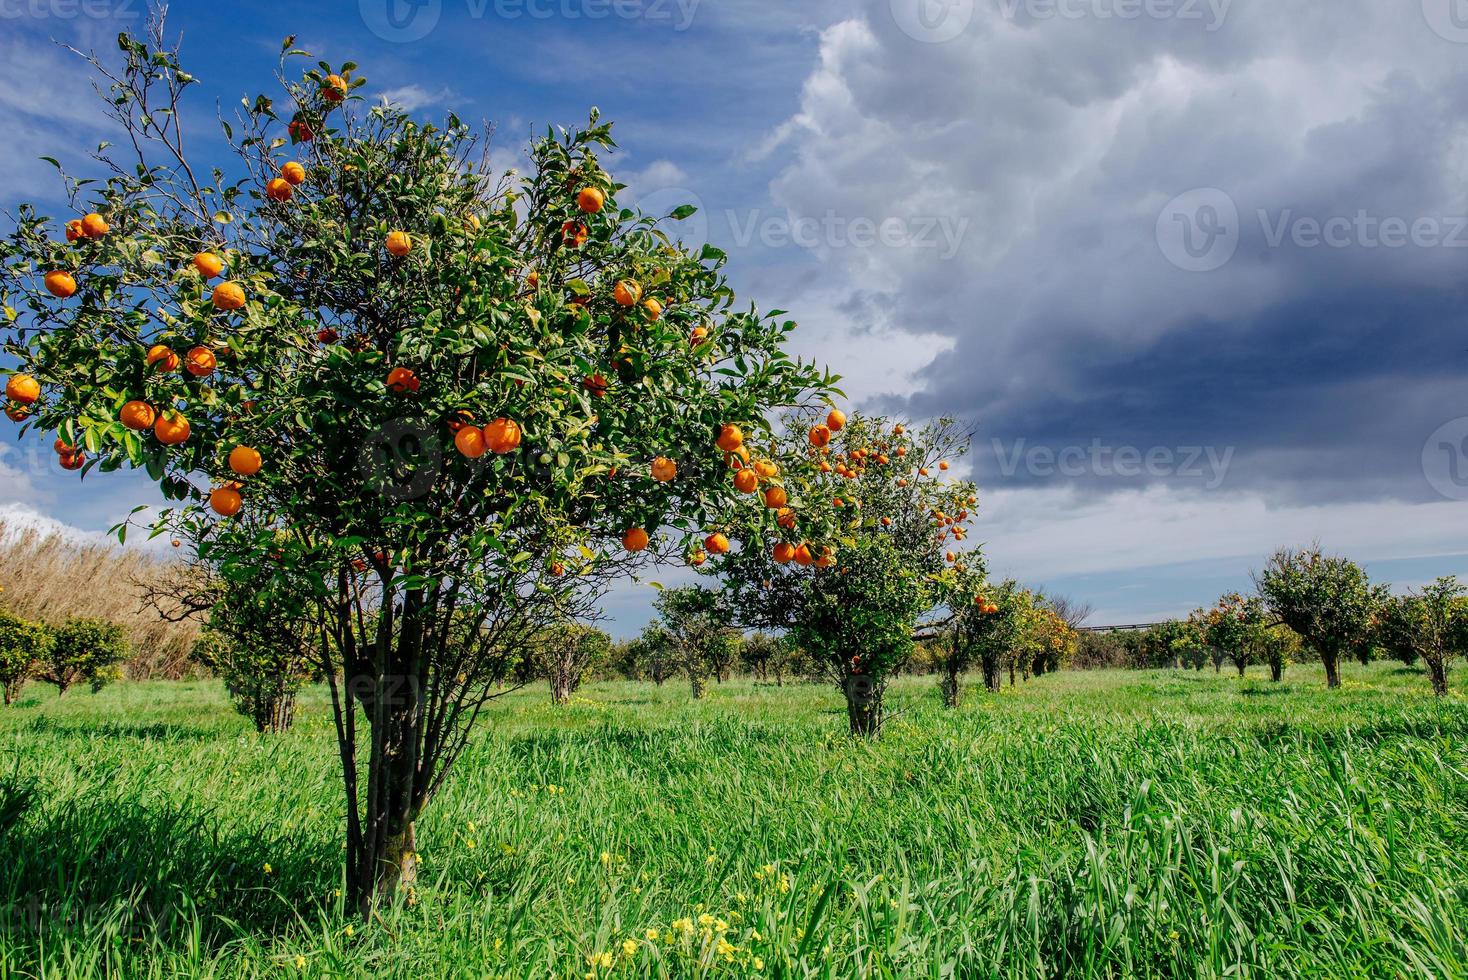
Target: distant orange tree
<point>453,401</point>
<point>867,540</point>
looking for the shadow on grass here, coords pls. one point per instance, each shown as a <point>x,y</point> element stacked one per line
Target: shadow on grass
<point>79,866</point>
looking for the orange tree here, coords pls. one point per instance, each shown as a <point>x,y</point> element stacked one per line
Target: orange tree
<point>855,547</point>
<point>453,402</point>
<point>985,629</point>
<point>1327,600</point>
<point>1235,627</point>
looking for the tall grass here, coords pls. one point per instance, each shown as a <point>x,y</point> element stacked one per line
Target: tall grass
<point>49,577</point>
<point>1100,824</point>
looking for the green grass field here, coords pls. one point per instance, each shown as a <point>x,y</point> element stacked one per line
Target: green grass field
<point>1088,824</point>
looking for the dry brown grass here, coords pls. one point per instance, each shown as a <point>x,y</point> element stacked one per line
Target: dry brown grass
<point>48,577</point>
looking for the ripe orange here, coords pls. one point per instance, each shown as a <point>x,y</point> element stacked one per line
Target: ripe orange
<point>73,461</point>
<point>94,225</point>
<point>745,481</point>
<point>803,555</point>
<point>557,569</point>
<point>460,419</point>
<point>775,497</point>
<point>62,447</point>
<point>469,440</point>
<point>402,381</point>
<point>227,296</point>
<point>301,131</point>
<point>502,436</point>
<point>943,464</point>
<point>208,264</point>
<point>74,229</point>
<point>200,362</point>
<point>635,539</point>
<point>293,173</point>
<point>573,234</point>
<point>897,430</point>
<point>698,558</point>
<point>820,436</point>
<point>664,469</point>
<point>901,451</point>
<point>16,413</point>
<point>23,389</point>
<point>766,469</point>
<point>717,543</point>
<point>827,559</point>
<point>698,336</point>
<point>886,522</point>
<point>60,284</point>
<point>138,416</point>
<point>825,467</point>
<point>951,556</point>
<point>922,471</point>
<point>172,429</point>
<point>334,88</point>
<point>278,189</point>
<point>836,420</point>
<point>653,307</point>
<point>731,437</point>
<point>838,502</point>
<point>596,385</point>
<point>162,358</point>
<point>786,518</point>
<point>226,501</point>
<point>244,461</point>
<point>784,552</point>
<point>591,200</point>
<point>626,292</point>
<point>399,243</point>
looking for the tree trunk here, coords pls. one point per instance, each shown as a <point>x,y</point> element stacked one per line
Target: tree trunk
<point>1437,669</point>
<point>1276,670</point>
<point>991,672</point>
<point>1332,670</point>
<point>949,684</point>
<point>699,683</point>
<point>1241,664</point>
<point>561,687</point>
<point>863,705</point>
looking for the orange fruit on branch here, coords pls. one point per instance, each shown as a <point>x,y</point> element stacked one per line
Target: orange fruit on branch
<point>698,336</point>
<point>138,416</point>
<point>73,461</point>
<point>469,441</point>
<point>226,501</point>
<point>731,437</point>
<point>635,539</point>
<point>94,225</point>
<point>775,497</point>
<point>664,469</point>
<point>244,461</point>
<point>502,436</point>
<point>627,292</point>
<point>573,234</point>
<point>819,436</point>
<point>278,189</point>
<point>227,296</point>
<point>836,420</point>
<point>334,88</point>
<point>60,284</point>
<point>399,243</point>
<point>803,555</point>
<point>653,307</point>
<point>596,385</point>
<point>717,543</point>
<point>162,358</point>
<point>293,173</point>
<point>74,229</point>
<point>200,362</point>
<point>172,429</point>
<point>591,200</point>
<point>784,552</point>
<point>23,389</point>
<point>402,381</point>
<point>208,264</point>
<point>786,518</point>
<point>745,481</point>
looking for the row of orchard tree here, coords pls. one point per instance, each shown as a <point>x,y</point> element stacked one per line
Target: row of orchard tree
<point>1310,606</point>
<point>77,651</point>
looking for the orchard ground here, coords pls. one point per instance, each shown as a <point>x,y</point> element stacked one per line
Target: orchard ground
<point>1162,823</point>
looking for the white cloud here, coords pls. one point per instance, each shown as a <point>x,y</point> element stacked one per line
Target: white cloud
<point>412,97</point>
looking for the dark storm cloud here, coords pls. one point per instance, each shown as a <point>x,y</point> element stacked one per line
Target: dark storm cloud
<point>1252,240</point>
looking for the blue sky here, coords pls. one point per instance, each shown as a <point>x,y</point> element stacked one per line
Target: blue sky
<point>1193,270</point>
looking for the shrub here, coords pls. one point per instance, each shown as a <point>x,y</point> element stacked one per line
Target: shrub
<point>83,650</point>
<point>22,645</point>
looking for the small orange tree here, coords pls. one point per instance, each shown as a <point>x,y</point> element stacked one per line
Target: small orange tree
<point>988,622</point>
<point>454,402</point>
<point>855,547</point>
